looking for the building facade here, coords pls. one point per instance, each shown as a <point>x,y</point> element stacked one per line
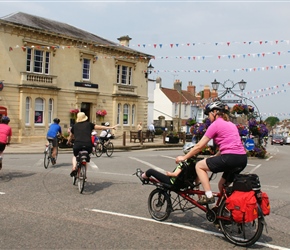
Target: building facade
<point>51,69</point>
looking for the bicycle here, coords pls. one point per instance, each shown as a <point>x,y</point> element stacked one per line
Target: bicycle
<point>82,159</point>
<point>104,146</point>
<point>165,199</point>
<point>48,154</point>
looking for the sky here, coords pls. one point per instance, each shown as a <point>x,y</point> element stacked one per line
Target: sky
<point>197,41</point>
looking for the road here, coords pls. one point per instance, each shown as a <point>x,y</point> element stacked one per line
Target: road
<point>41,209</point>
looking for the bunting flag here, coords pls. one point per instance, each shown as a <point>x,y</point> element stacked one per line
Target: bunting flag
<point>177,45</point>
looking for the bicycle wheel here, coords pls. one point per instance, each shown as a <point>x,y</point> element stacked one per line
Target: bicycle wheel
<point>109,149</point>
<point>47,157</point>
<point>241,234</point>
<point>99,149</point>
<point>159,204</point>
<point>82,178</point>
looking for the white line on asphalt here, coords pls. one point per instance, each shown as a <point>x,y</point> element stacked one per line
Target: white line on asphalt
<point>93,165</point>
<point>148,164</point>
<point>165,156</point>
<point>269,158</point>
<point>178,225</point>
<point>254,169</point>
<point>2,193</point>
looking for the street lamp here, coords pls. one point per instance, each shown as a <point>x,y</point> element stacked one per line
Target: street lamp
<point>179,111</point>
<point>228,85</point>
<point>149,70</point>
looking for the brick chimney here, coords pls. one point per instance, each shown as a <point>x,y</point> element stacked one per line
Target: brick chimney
<point>191,88</point>
<point>124,40</point>
<point>206,92</point>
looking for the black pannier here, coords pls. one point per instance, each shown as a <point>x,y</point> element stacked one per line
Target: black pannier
<point>246,182</point>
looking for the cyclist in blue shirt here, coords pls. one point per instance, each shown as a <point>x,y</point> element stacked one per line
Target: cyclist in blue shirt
<point>54,130</point>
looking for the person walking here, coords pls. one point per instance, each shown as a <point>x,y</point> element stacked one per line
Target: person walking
<point>139,128</point>
<point>81,132</point>
<point>5,136</point>
<point>231,158</point>
<point>52,134</point>
<point>151,129</point>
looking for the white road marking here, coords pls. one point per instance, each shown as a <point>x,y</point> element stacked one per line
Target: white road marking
<point>92,165</point>
<point>149,164</point>
<point>254,169</point>
<point>178,226</point>
<point>269,158</point>
<point>2,193</point>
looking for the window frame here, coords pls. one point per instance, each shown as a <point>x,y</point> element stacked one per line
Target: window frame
<point>39,109</point>
<point>38,61</point>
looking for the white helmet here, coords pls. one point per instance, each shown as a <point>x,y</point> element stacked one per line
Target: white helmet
<point>94,133</point>
<point>187,147</point>
<point>107,124</point>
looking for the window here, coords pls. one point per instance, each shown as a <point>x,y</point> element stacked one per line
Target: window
<point>185,109</point>
<point>126,114</point>
<point>86,69</point>
<point>119,113</point>
<point>37,61</point>
<point>27,110</point>
<point>133,114</point>
<point>124,75</point>
<point>39,109</point>
<point>50,111</point>
<point>175,108</point>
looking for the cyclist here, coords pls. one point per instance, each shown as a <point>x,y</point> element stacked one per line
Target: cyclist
<point>231,157</point>
<point>5,136</point>
<point>81,132</point>
<point>105,132</point>
<point>52,134</point>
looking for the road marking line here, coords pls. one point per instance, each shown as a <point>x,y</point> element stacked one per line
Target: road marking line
<point>165,156</point>
<point>178,225</point>
<point>148,164</point>
<point>254,169</point>
<point>92,165</point>
<point>2,193</point>
<point>269,158</point>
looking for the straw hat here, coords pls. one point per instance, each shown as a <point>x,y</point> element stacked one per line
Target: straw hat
<point>81,117</point>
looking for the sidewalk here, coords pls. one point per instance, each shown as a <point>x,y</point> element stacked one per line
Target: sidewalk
<point>38,147</point>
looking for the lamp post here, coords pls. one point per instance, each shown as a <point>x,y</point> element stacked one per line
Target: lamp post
<point>179,111</point>
<point>228,85</point>
<point>149,70</point>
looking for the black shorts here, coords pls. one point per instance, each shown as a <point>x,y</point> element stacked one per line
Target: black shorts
<point>76,150</point>
<point>230,164</point>
<point>2,147</point>
<point>54,141</point>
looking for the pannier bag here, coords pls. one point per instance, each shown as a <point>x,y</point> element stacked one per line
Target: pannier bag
<point>264,203</point>
<point>246,182</point>
<point>243,206</point>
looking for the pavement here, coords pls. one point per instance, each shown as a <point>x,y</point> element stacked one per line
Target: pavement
<point>38,147</point>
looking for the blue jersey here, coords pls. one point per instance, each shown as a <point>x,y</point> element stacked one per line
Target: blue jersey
<point>54,129</point>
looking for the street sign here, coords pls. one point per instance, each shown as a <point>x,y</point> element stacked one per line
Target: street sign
<point>249,144</point>
<point>232,101</point>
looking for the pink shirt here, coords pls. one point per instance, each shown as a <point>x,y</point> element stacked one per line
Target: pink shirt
<point>5,131</point>
<point>226,136</point>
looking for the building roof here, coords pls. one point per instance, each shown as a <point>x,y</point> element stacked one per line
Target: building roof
<point>59,28</point>
<point>174,96</point>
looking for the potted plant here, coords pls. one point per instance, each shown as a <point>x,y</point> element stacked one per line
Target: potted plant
<point>172,137</point>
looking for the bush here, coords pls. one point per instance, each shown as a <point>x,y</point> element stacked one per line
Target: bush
<point>158,131</point>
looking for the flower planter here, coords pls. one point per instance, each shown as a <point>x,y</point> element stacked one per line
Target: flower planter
<point>170,139</point>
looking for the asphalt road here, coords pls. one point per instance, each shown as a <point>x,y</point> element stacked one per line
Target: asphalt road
<point>41,209</point>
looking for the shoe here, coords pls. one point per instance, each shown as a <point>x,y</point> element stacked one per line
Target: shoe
<point>204,200</point>
<point>73,173</point>
<point>0,163</point>
<point>139,173</point>
<point>53,161</point>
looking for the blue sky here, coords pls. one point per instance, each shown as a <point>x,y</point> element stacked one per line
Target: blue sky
<point>196,41</point>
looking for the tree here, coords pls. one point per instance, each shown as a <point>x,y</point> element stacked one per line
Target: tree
<point>271,120</point>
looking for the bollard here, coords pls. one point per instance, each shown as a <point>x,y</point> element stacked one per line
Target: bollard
<point>124,138</point>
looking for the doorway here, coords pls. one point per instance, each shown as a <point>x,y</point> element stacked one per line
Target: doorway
<point>86,107</point>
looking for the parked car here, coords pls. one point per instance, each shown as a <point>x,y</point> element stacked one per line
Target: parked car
<point>277,139</point>
<point>287,140</point>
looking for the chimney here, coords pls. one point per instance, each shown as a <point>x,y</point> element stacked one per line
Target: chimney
<point>159,81</point>
<point>190,88</point>
<point>206,92</point>
<point>124,40</point>
<point>177,85</point>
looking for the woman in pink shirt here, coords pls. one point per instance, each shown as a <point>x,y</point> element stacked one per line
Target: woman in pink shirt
<point>231,157</point>
<point>5,136</point>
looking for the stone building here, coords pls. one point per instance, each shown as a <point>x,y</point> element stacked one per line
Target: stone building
<point>50,68</point>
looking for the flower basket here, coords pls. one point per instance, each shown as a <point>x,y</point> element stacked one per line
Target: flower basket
<point>100,114</point>
<point>240,109</point>
<point>73,113</point>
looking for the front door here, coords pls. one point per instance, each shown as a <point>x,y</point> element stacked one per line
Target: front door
<point>86,107</point>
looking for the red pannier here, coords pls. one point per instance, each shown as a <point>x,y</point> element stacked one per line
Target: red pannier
<point>264,203</point>
<point>243,206</point>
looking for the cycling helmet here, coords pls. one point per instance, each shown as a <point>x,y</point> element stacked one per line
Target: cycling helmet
<point>214,105</point>
<point>107,124</point>
<point>56,120</point>
<point>187,147</point>
<point>94,133</point>
<point>5,119</point>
